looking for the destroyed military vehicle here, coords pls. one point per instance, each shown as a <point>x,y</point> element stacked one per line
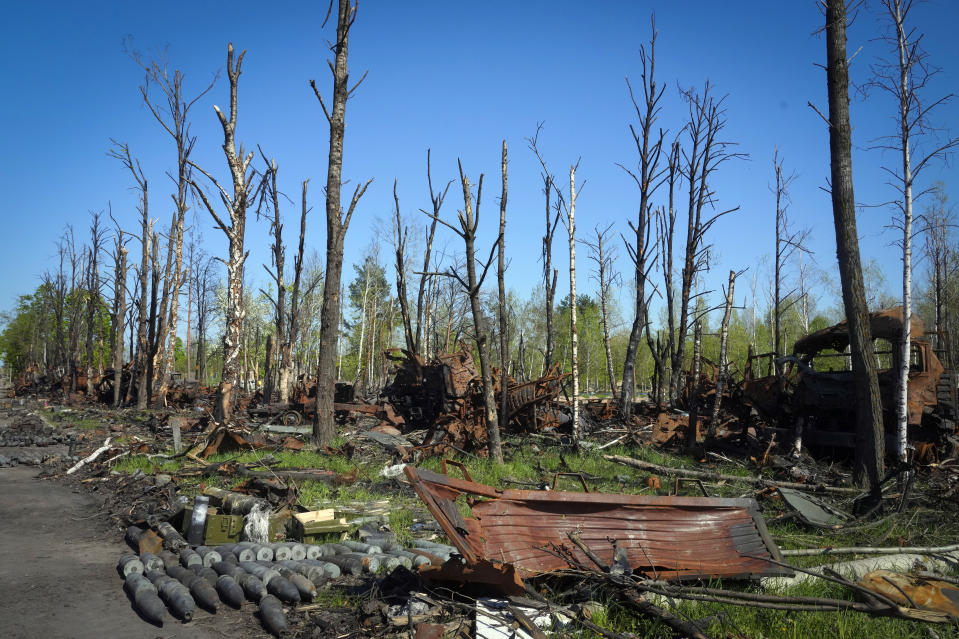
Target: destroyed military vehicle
<point>813,397</point>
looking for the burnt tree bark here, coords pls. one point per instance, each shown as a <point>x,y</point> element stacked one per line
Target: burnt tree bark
<point>788,242</point>
<point>692,431</point>
<point>122,152</point>
<point>119,312</point>
<point>469,222</point>
<point>706,122</point>
<point>723,371</point>
<point>870,447</point>
<point>293,321</point>
<point>605,256</point>
<point>663,350</point>
<point>501,284</point>
<point>649,146</point>
<point>336,225</point>
<point>93,297</point>
<point>400,235</point>
<point>237,204</point>
<point>175,122</point>
<point>272,196</point>
<point>203,287</point>
<point>436,201</point>
<point>550,274</point>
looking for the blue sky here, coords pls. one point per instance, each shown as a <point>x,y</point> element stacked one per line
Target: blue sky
<point>455,77</point>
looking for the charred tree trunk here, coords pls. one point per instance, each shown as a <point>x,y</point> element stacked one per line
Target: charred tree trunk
<point>649,147</point>
<point>723,372</point>
<point>93,299</point>
<point>400,234</point>
<point>274,350</point>
<point>119,313</point>
<point>173,117</point>
<point>604,257</point>
<point>503,312</point>
<point>869,433</point>
<point>706,122</point>
<point>692,431</point>
<point>336,226</point>
<point>436,200</point>
<point>663,350</point>
<point>238,203</point>
<point>286,347</point>
<point>469,222</point>
<point>550,274</point>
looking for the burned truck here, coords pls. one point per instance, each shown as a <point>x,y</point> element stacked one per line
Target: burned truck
<point>812,398</point>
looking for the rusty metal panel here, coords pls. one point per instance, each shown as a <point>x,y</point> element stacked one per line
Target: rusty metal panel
<point>663,537</point>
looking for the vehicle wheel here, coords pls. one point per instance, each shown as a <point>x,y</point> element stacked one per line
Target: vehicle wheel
<point>291,418</point>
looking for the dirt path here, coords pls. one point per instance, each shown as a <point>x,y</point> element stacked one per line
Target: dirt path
<point>57,571</point>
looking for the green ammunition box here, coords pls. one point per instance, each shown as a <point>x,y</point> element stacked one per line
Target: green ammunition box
<point>223,529</point>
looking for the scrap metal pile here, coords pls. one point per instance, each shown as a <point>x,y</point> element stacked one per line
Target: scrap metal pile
<point>54,383</point>
<point>440,398</point>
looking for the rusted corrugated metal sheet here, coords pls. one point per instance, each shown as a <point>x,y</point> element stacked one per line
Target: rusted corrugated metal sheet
<point>663,537</point>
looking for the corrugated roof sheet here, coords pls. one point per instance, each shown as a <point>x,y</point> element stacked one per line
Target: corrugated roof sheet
<point>663,537</point>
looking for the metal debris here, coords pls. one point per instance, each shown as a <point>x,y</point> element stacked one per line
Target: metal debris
<point>663,537</point>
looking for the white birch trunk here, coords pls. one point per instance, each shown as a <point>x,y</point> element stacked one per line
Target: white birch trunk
<point>572,307</point>
<point>902,382</point>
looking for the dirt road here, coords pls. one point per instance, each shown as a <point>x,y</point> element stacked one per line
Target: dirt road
<point>57,571</point>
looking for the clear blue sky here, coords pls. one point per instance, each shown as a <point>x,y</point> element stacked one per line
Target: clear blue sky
<point>455,77</point>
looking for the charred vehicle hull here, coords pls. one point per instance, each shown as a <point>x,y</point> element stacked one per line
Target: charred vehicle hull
<point>813,397</point>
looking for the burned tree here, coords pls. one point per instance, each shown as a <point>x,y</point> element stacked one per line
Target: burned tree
<point>436,201</point>
<point>336,223</point>
<point>788,243</point>
<point>605,256</point>
<point>400,236</point>
<point>271,196</point>
<point>549,273</point>
<point>93,297</point>
<point>939,251</point>
<point>121,152</point>
<point>468,223</point>
<point>501,285</point>
<point>244,192</point>
<point>175,122</point>
<point>869,432</point>
<point>649,146</point>
<point>203,282</point>
<point>293,319</point>
<point>119,312</point>
<point>706,153</point>
<point>723,371</point>
<point>904,79</point>
<point>662,349</point>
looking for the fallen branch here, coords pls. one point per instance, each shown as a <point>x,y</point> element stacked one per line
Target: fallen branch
<point>865,550</point>
<point>228,468</point>
<point>86,460</point>
<point>683,628</point>
<point>700,474</point>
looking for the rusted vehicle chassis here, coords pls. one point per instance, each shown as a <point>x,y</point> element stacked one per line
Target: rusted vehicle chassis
<point>818,403</point>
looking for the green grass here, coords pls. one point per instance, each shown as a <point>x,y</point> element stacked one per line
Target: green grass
<point>132,463</point>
